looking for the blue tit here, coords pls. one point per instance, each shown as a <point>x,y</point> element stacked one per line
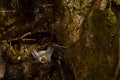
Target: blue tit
<point>43,55</point>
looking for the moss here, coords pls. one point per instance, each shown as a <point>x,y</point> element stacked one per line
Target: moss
<point>117,1</point>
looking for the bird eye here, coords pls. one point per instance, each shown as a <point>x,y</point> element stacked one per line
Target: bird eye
<point>43,59</point>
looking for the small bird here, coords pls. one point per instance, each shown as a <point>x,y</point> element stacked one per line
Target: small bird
<point>44,55</point>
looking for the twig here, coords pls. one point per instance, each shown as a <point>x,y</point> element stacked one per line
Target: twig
<point>53,44</point>
<point>21,38</point>
<point>25,35</point>
<point>5,11</point>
